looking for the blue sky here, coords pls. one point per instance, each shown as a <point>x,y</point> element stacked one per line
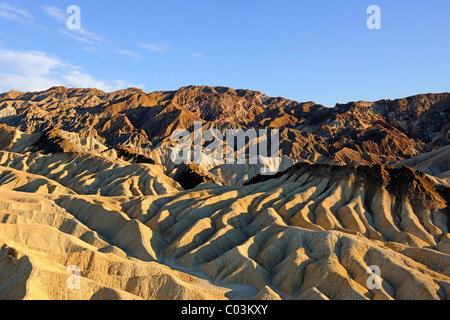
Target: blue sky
<point>318,51</point>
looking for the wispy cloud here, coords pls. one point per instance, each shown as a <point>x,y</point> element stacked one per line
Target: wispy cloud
<point>35,71</point>
<point>61,16</point>
<point>161,48</point>
<point>10,12</point>
<point>56,13</point>
<point>133,55</point>
<point>81,35</point>
<point>91,49</point>
<point>198,56</point>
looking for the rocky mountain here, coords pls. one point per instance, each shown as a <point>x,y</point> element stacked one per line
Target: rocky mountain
<point>361,133</point>
<point>133,125</point>
<point>435,163</point>
<point>87,182</point>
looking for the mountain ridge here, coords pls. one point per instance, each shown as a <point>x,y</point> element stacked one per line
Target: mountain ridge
<point>87,181</point>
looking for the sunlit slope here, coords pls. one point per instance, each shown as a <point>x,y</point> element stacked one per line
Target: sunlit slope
<point>309,234</point>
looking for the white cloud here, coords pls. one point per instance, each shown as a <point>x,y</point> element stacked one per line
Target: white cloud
<point>31,62</point>
<point>56,13</point>
<point>133,55</point>
<point>91,49</point>
<point>81,35</point>
<point>88,34</point>
<point>155,48</point>
<point>198,56</point>
<point>10,12</point>
<point>36,71</point>
<point>127,52</point>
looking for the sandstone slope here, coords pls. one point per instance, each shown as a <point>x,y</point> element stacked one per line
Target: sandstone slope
<point>87,184</point>
<point>309,234</point>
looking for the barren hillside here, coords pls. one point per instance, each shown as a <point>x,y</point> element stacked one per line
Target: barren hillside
<point>86,180</point>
